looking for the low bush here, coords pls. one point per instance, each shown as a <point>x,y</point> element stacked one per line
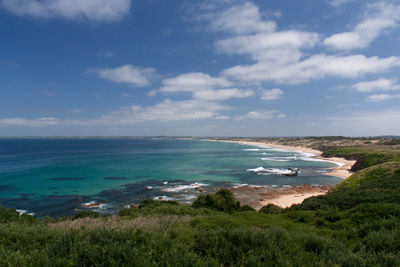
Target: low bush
<point>223,200</point>
<point>271,209</point>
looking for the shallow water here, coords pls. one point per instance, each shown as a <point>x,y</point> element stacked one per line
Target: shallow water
<point>56,176</point>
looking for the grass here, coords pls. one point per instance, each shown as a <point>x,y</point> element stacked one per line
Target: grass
<point>365,156</point>
<point>376,184</point>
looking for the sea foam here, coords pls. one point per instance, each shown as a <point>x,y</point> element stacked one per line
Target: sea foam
<point>269,171</point>
<point>25,212</point>
<point>179,188</point>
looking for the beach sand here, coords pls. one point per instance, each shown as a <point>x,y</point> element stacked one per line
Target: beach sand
<point>257,197</point>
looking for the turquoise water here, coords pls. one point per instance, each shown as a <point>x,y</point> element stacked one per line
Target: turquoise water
<point>55,176</point>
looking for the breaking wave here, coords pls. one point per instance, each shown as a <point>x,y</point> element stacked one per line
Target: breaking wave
<point>270,171</point>
<point>179,188</point>
<point>25,212</point>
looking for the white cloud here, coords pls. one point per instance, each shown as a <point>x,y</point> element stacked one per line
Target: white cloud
<point>222,94</point>
<point>166,110</point>
<point>380,17</point>
<point>279,47</point>
<point>222,117</point>
<point>94,10</point>
<point>281,116</point>
<point>381,97</point>
<point>152,93</point>
<point>42,122</point>
<point>281,56</point>
<point>262,115</point>
<point>251,35</point>
<point>272,94</point>
<point>377,85</point>
<point>240,19</point>
<point>135,76</point>
<point>338,3</point>
<point>203,87</point>
<point>191,82</point>
<point>314,67</point>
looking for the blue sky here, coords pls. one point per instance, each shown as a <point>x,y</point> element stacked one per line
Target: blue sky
<point>204,68</point>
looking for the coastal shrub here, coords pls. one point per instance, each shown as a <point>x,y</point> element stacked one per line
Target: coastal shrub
<point>382,240</point>
<point>8,215</point>
<point>238,247</point>
<point>363,236</point>
<point>271,209</point>
<point>11,215</point>
<point>223,200</point>
<point>131,212</point>
<point>151,203</point>
<point>246,208</point>
<point>86,214</point>
<point>102,247</point>
<point>180,210</point>
<point>331,215</point>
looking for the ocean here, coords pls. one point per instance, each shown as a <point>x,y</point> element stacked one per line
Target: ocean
<point>59,177</point>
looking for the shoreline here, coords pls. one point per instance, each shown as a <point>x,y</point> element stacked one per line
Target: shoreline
<point>342,170</point>
<point>260,196</point>
<point>257,197</point>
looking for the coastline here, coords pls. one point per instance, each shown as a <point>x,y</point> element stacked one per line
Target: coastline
<point>257,197</point>
<point>342,170</point>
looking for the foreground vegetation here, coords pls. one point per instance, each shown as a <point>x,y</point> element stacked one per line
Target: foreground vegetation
<point>357,224</point>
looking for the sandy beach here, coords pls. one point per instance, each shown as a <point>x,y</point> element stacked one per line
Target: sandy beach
<point>342,170</point>
<point>257,197</point>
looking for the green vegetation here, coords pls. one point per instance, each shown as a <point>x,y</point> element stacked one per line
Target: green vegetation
<point>356,224</point>
<point>223,200</point>
<point>365,156</point>
<point>376,184</point>
<point>271,209</point>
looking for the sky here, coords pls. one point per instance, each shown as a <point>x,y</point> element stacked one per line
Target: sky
<point>199,68</point>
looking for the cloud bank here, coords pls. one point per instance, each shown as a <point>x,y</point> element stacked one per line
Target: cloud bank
<point>92,10</point>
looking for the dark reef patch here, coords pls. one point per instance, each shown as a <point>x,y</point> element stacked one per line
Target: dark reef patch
<point>53,205</point>
<point>27,195</point>
<point>131,193</point>
<point>114,178</point>
<point>223,172</point>
<point>68,178</point>
<point>6,188</point>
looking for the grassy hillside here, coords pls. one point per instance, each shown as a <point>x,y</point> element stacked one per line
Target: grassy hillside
<point>365,156</point>
<point>376,184</point>
<point>356,224</point>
